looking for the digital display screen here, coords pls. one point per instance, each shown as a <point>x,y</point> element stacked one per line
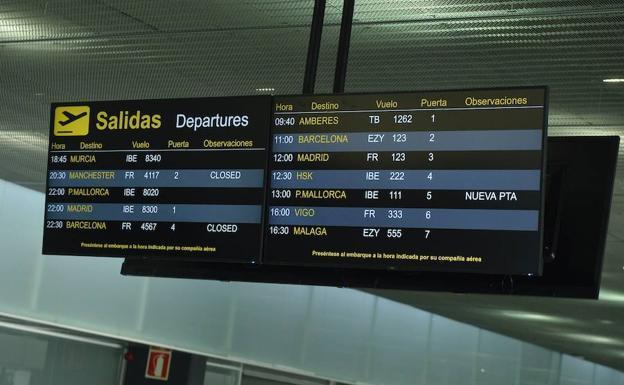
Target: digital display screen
<point>447,181</point>
<point>440,181</point>
<point>180,178</point>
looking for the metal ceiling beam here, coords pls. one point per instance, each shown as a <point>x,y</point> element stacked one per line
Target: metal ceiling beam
<point>342,57</point>
<point>314,46</point>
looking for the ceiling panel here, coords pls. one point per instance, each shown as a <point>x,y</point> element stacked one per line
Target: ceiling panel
<point>417,10</point>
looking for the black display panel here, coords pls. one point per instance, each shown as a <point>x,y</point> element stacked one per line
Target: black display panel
<point>579,187</point>
<point>178,178</point>
<point>429,181</point>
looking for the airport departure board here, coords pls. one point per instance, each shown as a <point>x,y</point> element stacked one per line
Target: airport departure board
<point>446,181</point>
<point>443,181</point>
<point>181,178</point>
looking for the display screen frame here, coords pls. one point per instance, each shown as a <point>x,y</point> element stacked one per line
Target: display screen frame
<point>259,105</point>
<point>340,266</point>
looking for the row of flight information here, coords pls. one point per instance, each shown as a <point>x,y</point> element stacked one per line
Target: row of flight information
<point>432,181</point>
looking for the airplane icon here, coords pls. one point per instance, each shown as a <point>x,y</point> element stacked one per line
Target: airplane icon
<point>71,117</point>
<point>70,121</point>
